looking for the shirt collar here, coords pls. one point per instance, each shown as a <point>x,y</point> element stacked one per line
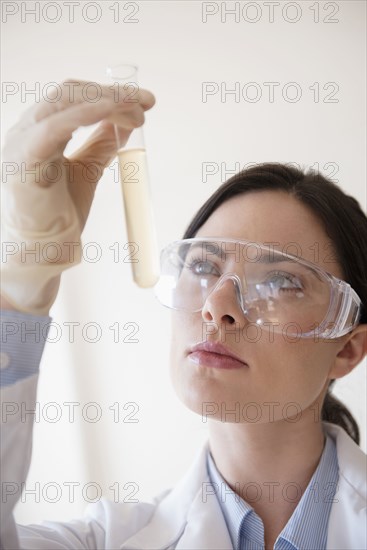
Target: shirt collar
<point>306,528</point>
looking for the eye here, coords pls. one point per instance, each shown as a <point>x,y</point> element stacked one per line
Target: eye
<point>285,282</point>
<point>201,267</point>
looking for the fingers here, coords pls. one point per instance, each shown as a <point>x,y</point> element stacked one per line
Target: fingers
<point>73,92</point>
<point>47,139</point>
<point>44,130</point>
<point>146,99</point>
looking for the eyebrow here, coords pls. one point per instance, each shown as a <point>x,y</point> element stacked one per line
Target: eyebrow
<point>207,244</point>
<point>265,258</point>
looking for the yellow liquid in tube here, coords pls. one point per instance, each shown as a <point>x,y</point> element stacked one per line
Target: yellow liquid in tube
<point>139,216</point>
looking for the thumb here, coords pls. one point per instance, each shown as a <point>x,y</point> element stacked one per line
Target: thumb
<point>89,162</point>
<point>100,148</point>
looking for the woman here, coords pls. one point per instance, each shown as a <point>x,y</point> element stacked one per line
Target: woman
<point>262,325</point>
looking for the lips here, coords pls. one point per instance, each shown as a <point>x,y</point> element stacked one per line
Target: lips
<point>214,354</point>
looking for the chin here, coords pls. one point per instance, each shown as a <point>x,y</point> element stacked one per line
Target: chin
<point>195,393</point>
<point>206,398</point>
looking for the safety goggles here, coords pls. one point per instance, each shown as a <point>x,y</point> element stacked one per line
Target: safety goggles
<point>274,289</point>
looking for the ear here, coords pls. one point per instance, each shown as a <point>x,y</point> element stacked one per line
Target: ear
<point>353,350</point>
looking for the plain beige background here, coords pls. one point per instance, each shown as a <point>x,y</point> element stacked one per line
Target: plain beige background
<point>177,52</point>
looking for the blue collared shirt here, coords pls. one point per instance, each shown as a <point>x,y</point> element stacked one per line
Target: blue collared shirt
<point>306,528</point>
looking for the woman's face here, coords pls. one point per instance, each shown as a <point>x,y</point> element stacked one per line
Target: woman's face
<point>280,376</point>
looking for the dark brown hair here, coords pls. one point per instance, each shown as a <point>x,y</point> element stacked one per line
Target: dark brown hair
<point>343,219</point>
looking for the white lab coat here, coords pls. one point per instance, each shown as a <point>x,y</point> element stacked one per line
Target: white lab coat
<point>179,518</point>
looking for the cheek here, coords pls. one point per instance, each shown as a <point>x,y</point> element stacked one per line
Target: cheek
<point>194,386</point>
<point>179,342</point>
<point>291,376</point>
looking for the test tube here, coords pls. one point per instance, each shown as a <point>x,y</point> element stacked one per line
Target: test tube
<point>133,169</point>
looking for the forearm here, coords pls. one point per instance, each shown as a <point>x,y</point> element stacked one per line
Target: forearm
<point>22,342</point>
<point>23,337</point>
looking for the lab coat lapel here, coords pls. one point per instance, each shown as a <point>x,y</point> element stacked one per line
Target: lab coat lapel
<point>182,519</point>
<point>206,527</point>
<point>347,520</point>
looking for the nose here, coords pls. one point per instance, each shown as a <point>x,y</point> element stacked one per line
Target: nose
<point>225,303</point>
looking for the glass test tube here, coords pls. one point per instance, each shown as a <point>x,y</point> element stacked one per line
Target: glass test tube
<point>134,180</point>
